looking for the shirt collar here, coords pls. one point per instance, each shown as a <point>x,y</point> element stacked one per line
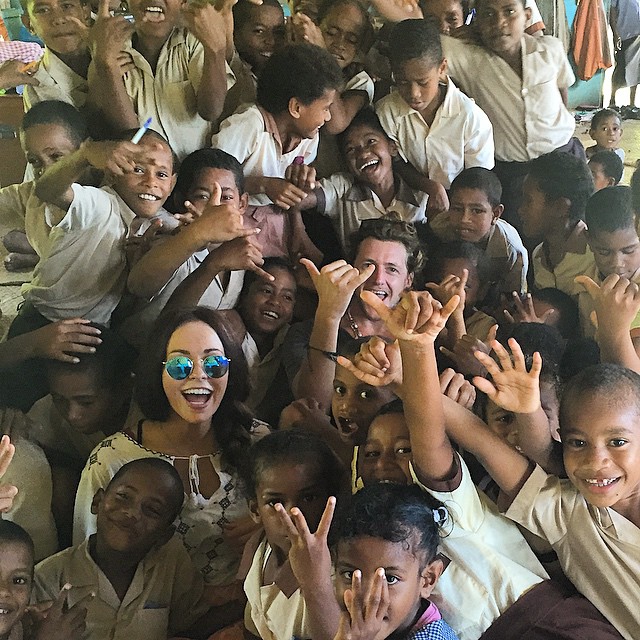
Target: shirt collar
<point>360,192</point>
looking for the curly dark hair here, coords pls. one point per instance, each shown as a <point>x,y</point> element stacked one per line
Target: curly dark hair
<point>232,421</point>
<point>302,71</point>
<point>390,512</point>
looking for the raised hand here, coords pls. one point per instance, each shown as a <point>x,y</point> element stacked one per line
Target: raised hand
<point>463,354</point>
<point>117,158</point>
<point>511,387</point>
<point>616,301</point>
<point>365,612</point>
<point>302,176</point>
<point>61,623</point>
<point>60,339</point>
<point>335,284</point>
<point>283,193</point>
<point>418,317</point>
<point>378,363</point>
<point>306,414</point>
<point>524,311</point>
<point>305,30</point>
<point>309,553</point>
<point>206,23</point>
<point>450,286</point>
<point>136,246</point>
<point>455,386</point>
<point>7,492</point>
<point>108,36</point>
<point>14,73</point>
<point>240,254</point>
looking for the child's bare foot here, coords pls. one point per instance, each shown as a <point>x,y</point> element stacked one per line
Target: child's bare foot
<point>16,241</point>
<point>20,261</point>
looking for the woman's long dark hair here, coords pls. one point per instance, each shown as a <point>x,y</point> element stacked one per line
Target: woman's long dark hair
<point>232,421</point>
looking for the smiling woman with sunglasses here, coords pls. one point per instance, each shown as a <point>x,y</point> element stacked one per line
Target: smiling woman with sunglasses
<point>190,387</point>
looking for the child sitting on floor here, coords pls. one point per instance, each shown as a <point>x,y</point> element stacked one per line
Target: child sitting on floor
<point>137,574</point>
<point>606,169</point>
<point>371,189</point>
<point>438,129</point>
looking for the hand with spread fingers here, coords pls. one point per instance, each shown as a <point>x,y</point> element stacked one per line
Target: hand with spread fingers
<point>365,613</point>
<point>524,311</point>
<point>464,350</point>
<point>7,492</point>
<point>511,387</point>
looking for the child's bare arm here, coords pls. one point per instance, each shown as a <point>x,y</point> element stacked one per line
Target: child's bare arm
<point>280,191</point>
<point>438,198</point>
<point>218,223</point>
<point>416,322</point>
<point>536,442</point>
<point>397,10</point>
<point>55,184</point>
<point>450,286</point>
<point>311,564</point>
<point>617,303</point>
<point>241,254</point>
<point>210,27</point>
<point>107,92</point>
<point>7,492</point>
<point>335,284</point>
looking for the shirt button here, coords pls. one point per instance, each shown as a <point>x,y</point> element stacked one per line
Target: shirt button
<point>525,92</point>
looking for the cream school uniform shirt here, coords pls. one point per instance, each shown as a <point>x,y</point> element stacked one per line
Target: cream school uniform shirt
<point>348,204</point>
<point>491,565</point>
<point>275,611</point>
<point>251,136</point>
<point>82,268</point>
<point>562,276</point>
<point>507,259</point>
<point>163,599</point>
<point>528,116</point>
<point>598,548</point>
<point>57,82</point>
<point>169,95</point>
<point>460,136</point>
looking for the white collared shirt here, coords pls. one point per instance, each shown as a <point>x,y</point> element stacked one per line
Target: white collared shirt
<point>460,136</point>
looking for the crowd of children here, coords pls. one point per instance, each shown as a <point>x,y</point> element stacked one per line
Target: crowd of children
<point>333,331</point>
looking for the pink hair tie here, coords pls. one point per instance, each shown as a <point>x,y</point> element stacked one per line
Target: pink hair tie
<point>298,160</point>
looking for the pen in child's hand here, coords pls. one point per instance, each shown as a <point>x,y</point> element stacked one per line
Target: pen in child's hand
<point>141,131</point>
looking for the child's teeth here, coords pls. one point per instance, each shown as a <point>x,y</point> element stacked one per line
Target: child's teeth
<point>148,196</point>
<point>271,314</point>
<point>368,164</point>
<point>199,392</point>
<point>600,483</point>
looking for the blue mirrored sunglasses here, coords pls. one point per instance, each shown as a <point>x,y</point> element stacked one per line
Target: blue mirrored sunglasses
<point>180,367</point>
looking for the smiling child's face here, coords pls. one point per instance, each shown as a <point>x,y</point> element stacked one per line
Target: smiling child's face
<point>54,22</point>
<point>146,188</point>
<point>342,29</point>
<point>310,118</point>
<point>45,144</point>
<point>16,577</point>
<point>369,154</point>
<point>601,444</point>
<point>260,36</point>
<point>155,18</point>
<point>203,185</point>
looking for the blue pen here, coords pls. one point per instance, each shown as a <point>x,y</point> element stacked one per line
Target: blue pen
<point>141,131</point>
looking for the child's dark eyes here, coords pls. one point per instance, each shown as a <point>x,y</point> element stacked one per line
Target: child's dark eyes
<point>391,579</point>
<point>312,497</point>
<point>366,395</point>
<point>21,580</point>
<point>339,390</point>
<point>618,442</point>
<point>347,576</point>
<point>576,443</point>
<point>403,450</point>
<point>273,502</point>
<point>371,454</point>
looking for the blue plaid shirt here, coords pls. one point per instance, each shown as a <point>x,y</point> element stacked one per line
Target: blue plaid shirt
<point>437,630</point>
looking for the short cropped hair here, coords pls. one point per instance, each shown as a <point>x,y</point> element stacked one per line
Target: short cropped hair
<point>293,448</point>
<point>611,163</point>
<point>635,190</point>
<point>610,209</point>
<point>243,9</point>
<point>412,39</point>
<point>232,420</point>
<point>10,532</point>
<point>602,115</point>
<point>561,175</point>
<point>569,321</point>
<point>458,250</point>
<point>390,229</point>
<point>60,113</point>
<point>112,363</point>
<point>395,513</point>
<point>481,179</point>
<point>366,117</point>
<point>612,382</point>
<point>162,466</point>
<point>302,71</point>
<point>272,262</point>
<point>208,159</point>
